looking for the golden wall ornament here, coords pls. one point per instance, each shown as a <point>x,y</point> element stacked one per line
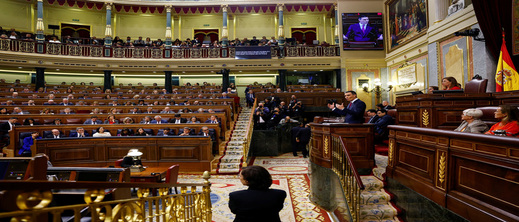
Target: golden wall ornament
<point>441,168</point>
<point>390,152</point>
<point>425,118</point>
<point>326,146</point>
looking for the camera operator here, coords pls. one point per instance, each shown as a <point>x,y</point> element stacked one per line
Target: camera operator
<point>261,107</point>
<point>283,109</point>
<point>296,111</point>
<point>274,119</point>
<point>260,118</point>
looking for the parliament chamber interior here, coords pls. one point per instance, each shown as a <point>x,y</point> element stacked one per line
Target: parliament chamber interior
<point>157,110</point>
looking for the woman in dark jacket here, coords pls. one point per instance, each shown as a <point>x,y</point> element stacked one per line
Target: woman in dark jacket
<point>259,203</point>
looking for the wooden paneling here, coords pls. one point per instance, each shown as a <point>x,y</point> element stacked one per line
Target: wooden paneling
<point>192,153</point>
<point>358,139</point>
<point>474,175</point>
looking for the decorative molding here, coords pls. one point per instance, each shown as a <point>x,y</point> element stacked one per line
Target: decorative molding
<point>425,118</point>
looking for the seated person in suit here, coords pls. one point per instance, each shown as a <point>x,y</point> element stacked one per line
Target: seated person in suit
<point>166,132</point>
<point>7,127</point>
<point>212,119</point>
<point>178,119</point>
<point>27,143</point>
<point>132,158</point>
<point>92,121</point>
<point>206,132</point>
<point>56,134</point>
<point>381,131</point>
<point>193,119</point>
<point>372,113</point>
<point>158,120</point>
<point>67,111</point>
<point>80,132</point>
<point>258,202</point>
<point>146,120</point>
<point>472,122</point>
<point>386,106</point>
<point>508,125</point>
<point>186,132</point>
<point>100,132</point>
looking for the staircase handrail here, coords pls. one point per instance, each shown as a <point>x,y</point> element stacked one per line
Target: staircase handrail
<point>29,200</point>
<point>343,167</point>
<point>250,127</point>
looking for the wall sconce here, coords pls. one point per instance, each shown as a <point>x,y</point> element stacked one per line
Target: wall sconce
<point>377,89</point>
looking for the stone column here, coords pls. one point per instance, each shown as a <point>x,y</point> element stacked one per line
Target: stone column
<point>337,18</point>
<point>108,29</point>
<point>281,31</point>
<point>225,31</point>
<point>338,78</point>
<point>107,79</point>
<point>40,78</point>
<point>282,79</point>
<point>168,27</point>
<point>39,24</point>
<point>442,7</point>
<point>225,79</point>
<point>167,81</point>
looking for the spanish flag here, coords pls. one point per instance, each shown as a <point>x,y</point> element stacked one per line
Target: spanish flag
<point>507,78</point>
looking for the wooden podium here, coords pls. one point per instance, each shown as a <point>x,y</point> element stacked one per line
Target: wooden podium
<point>358,139</point>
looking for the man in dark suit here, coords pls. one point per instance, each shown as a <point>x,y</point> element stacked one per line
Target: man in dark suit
<point>56,134</point>
<point>381,131</point>
<point>158,120</point>
<point>353,112</point>
<point>80,132</point>
<point>303,138</point>
<point>250,98</point>
<point>66,102</point>
<point>386,105</point>
<point>213,119</point>
<point>294,142</point>
<point>362,31</point>
<point>372,113</point>
<point>166,132</point>
<point>6,127</point>
<point>92,121</point>
<point>178,119</point>
<point>211,134</point>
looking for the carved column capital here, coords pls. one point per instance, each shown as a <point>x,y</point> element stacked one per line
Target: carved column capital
<point>224,8</point>
<point>109,6</point>
<point>281,7</point>
<point>168,8</point>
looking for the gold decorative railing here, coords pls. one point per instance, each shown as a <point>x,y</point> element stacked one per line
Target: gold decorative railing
<point>343,166</point>
<point>32,199</point>
<point>86,50</point>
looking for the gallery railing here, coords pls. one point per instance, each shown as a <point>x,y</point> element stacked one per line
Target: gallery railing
<point>32,198</point>
<point>343,166</point>
<point>154,53</point>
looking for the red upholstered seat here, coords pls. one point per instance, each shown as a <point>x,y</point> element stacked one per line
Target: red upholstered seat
<point>172,175</point>
<point>118,162</point>
<point>476,86</point>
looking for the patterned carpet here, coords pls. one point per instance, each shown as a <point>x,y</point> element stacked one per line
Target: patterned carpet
<point>288,173</point>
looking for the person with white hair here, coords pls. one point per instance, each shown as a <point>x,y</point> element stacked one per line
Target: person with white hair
<point>472,122</point>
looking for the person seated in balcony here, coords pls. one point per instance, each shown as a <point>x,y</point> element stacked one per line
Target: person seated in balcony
<point>450,83</point>
<point>139,42</point>
<point>508,125</point>
<point>472,122</point>
<point>128,41</point>
<point>258,202</point>
<point>28,37</point>
<point>13,36</point>
<point>54,39</point>
<point>95,41</point>
<point>100,132</point>
<point>159,43</point>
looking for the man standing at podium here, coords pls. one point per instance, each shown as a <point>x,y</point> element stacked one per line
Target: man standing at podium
<point>353,112</point>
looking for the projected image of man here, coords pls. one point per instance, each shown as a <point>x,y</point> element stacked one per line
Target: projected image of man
<point>362,31</point>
